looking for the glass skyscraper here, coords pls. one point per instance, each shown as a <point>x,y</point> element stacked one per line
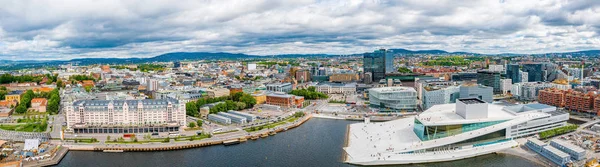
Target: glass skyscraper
<point>512,72</point>
<point>489,78</point>
<point>535,72</point>
<point>378,63</point>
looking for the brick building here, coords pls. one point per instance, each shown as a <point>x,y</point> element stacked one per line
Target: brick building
<point>552,96</point>
<point>284,100</point>
<point>578,101</point>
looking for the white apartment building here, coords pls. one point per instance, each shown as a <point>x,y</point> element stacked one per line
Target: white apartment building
<point>102,116</point>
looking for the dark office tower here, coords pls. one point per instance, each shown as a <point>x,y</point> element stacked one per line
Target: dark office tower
<point>489,78</point>
<point>378,63</point>
<point>536,74</point>
<point>512,72</point>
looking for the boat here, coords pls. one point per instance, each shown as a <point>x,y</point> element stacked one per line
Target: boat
<point>272,133</point>
<point>264,135</point>
<point>231,142</point>
<point>254,137</point>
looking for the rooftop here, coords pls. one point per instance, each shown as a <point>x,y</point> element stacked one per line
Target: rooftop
<point>471,101</point>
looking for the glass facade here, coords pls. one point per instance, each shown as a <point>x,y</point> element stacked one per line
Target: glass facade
<point>393,98</point>
<point>491,79</point>
<point>535,72</point>
<point>378,63</point>
<point>512,72</point>
<point>435,132</point>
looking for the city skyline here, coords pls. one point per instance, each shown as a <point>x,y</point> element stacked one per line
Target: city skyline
<point>84,29</point>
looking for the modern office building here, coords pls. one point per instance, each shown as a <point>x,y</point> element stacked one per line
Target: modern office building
<point>446,132</point>
<point>378,63</point>
<point>101,116</point>
<point>523,77</point>
<point>535,72</point>
<point>219,119</point>
<point>234,118</point>
<point>512,72</point>
<point>393,98</point>
<point>484,93</point>
<point>496,68</point>
<point>280,87</point>
<point>434,95</point>
<point>505,85</point>
<point>464,76</point>
<point>491,79</point>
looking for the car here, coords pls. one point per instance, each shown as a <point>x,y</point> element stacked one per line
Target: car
<point>64,124</point>
<point>155,134</point>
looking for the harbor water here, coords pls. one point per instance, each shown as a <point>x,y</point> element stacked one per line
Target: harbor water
<point>318,142</point>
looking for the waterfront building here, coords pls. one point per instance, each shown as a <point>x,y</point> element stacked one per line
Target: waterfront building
<point>378,63</point>
<point>219,119</point>
<point>547,151</point>
<point>336,88</point>
<point>577,153</point>
<point>234,118</point>
<point>344,77</point>
<point>491,79</point>
<point>484,93</point>
<point>100,116</point>
<point>529,91</point>
<point>535,72</point>
<point>249,117</point>
<point>280,87</point>
<point>445,132</point>
<point>393,98</point>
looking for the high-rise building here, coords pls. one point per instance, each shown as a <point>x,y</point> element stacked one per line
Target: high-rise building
<point>368,78</point>
<point>535,72</point>
<point>302,75</point>
<point>505,85</point>
<point>523,77</point>
<point>378,63</point>
<point>512,72</point>
<point>489,78</point>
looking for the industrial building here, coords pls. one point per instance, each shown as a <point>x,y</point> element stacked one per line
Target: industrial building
<point>249,117</point>
<point>234,118</point>
<point>219,119</point>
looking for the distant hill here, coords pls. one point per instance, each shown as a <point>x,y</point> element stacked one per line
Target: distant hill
<point>181,56</point>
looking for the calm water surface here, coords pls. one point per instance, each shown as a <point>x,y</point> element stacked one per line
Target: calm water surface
<point>318,142</point>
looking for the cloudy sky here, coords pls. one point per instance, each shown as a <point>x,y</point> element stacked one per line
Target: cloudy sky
<point>66,29</point>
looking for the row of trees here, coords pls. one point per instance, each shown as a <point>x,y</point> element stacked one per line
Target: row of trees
<point>3,92</point>
<point>8,78</point>
<point>309,94</point>
<point>82,78</point>
<point>237,101</point>
<point>558,131</point>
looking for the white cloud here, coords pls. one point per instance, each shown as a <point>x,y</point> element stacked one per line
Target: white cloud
<point>86,28</point>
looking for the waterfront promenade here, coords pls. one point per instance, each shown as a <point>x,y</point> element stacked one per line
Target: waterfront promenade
<point>215,140</point>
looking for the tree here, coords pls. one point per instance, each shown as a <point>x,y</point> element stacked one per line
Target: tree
<point>191,109</point>
<point>21,109</point>
<point>59,84</point>
<point>191,125</point>
<point>88,88</point>
<point>199,122</point>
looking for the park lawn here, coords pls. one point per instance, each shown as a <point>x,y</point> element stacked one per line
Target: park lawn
<point>272,125</point>
<point>29,127</point>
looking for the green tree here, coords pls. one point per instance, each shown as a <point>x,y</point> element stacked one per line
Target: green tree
<point>191,109</point>
<point>88,88</point>
<point>59,84</point>
<point>199,123</point>
<point>191,125</point>
<point>21,109</point>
